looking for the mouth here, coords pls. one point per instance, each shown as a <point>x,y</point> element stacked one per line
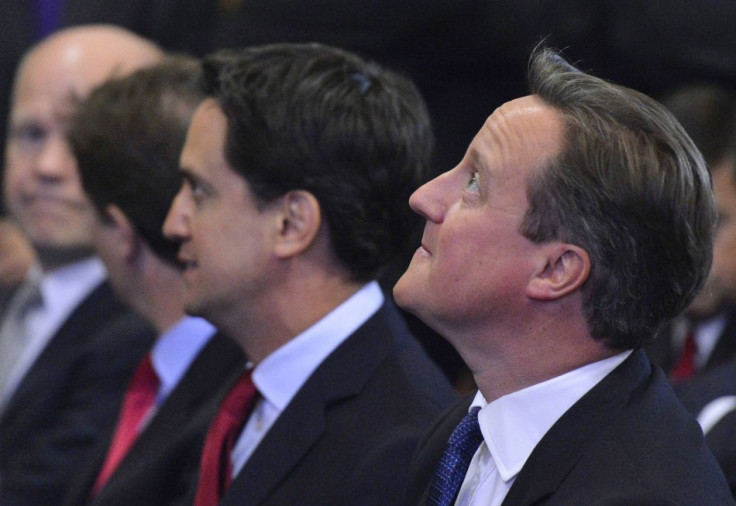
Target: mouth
<point>42,200</point>
<point>423,250</point>
<point>186,264</point>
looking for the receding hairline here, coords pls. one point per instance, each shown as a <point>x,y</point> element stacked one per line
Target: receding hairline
<point>123,47</point>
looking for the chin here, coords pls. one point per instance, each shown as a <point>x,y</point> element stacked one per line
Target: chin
<point>405,294</point>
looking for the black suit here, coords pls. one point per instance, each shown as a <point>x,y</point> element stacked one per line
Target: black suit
<point>721,438</point>
<point>69,397</point>
<point>163,462</point>
<point>627,441</point>
<point>347,435</point>
<point>665,354</point>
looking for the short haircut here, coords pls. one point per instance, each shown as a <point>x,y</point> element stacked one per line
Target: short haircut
<point>630,187</point>
<point>127,137</point>
<point>317,118</point>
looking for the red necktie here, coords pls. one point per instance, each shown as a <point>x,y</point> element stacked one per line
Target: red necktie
<point>215,472</point>
<point>139,398</point>
<point>685,367</point>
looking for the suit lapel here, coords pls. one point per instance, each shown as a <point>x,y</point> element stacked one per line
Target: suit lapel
<point>569,438</point>
<point>304,420</point>
<point>206,380</point>
<point>725,346</point>
<point>98,307</point>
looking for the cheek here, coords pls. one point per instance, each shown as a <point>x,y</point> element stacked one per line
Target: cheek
<point>724,254</point>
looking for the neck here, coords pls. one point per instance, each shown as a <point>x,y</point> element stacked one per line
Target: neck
<point>287,314</point>
<point>157,294</point>
<point>505,364</point>
<point>51,259</point>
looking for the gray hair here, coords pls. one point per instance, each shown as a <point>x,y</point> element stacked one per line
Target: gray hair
<point>629,187</point>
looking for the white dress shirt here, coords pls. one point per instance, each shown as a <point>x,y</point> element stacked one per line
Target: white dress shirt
<point>280,376</point>
<point>62,290</point>
<point>176,349</point>
<point>513,425</point>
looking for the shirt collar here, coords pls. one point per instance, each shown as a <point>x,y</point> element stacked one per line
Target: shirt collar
<point>63,289</point>
<point>515,423</point>
<point>175,350</point>
<point>280,375</point>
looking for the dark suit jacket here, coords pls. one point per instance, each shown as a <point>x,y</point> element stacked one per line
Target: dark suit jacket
<point>663,353</point>
<point>163,462</point>
<point>721,438</point>
<point>68,398</point>
<point>718,382</point>
<point>347,435</point>
<point>627,441</point>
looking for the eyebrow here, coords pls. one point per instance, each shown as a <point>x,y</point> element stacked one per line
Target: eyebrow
<point>477,161</point>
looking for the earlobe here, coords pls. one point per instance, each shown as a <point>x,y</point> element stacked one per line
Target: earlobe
<point>300,219</point>
<point>566,270</point>
<point>125,235</point>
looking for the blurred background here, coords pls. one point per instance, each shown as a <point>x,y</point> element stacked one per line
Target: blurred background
<point>467,56</point>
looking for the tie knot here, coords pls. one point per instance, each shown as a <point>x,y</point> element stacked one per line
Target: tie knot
<point>26,298</point>
<point>240,397</point>
<point>145,379</point>
<point>461,447</point>
<point>215,470</point>
<point>467,436</point>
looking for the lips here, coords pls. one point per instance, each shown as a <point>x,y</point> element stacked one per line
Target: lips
<point>186,262</point>
<point>42,199</point>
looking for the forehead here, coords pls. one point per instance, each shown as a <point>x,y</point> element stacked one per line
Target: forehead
<point>205,142</point>
<point>70,66</point>
<point>520,135</point>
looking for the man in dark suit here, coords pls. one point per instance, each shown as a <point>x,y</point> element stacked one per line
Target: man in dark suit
<point>130,173</point>
<point>703,337</point>
<point>294,172</point>
<point>71,353</point>
<point>579,220</point>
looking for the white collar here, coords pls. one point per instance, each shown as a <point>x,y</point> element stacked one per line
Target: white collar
<point>176,349</point>
<point>515,423</point>
<point>63,289</point>
<point>280,375</point>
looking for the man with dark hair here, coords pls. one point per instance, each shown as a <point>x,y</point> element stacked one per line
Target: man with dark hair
<point>127,136</point>
<point>294,171</point>
<point>703,337</point>
<point>579,221</point>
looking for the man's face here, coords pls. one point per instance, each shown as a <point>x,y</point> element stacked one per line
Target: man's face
<point>722,277</point>
<point>473,265</point>
<point>42,188</point>
<point>225,239</point>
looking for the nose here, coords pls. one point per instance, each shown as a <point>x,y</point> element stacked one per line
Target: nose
<point>429,199</point>
<point>176,225</point>
<point>55,161</point>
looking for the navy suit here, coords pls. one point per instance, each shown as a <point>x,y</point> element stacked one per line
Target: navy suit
<point>348,434</point>
<point>663,353</point>
<point>627,441</point>
<point>163,462</point>
<point>69,397</point>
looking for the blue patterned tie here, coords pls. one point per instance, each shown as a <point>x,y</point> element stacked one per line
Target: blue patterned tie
<point>461,447</point>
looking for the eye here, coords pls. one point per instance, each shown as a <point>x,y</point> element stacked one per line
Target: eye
<point>197,189</point>
<point>472,186</point>
<point>28,133</point>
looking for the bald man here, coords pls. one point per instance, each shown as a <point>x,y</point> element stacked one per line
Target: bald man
<point>65,357</point>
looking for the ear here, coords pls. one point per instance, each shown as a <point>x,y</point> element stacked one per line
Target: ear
<point>124,234</point>
<point>567,267</point>
<point>300,218</point>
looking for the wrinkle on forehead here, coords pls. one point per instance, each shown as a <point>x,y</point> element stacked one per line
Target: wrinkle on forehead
<point>523,126</point>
